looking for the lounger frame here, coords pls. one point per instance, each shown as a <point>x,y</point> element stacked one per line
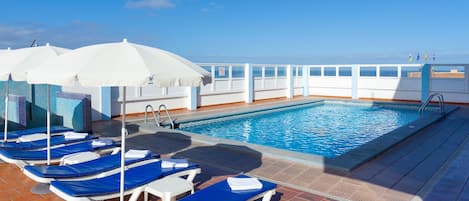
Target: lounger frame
<point>13,139</point>
<point>266,195</point>
<point>22,163</point>
<point>58,145</point>
<point>135,192</point>
<point>93,176</point>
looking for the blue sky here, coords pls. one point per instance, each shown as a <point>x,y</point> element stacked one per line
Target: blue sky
<point>270,31</point>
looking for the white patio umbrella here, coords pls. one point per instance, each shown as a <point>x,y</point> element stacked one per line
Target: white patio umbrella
<point>119,64</point>
<point>16,63</point>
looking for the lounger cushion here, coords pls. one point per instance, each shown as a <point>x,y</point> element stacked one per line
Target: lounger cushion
<point>38,144</point>
<point>87,168</point>
<point>134,177</point>
<point>222,191</point>
<point>55,152</point>
<point>53,129</point>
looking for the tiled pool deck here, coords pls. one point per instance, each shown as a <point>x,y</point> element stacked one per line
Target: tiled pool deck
<point>431,165</point>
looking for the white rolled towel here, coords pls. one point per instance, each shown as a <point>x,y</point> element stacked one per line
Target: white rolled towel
<point>74,135</point>
<point>32,137</point>
<point>101,142</point>
<point>244,183</point>
<point>133,153</point>
<point>174,163</point>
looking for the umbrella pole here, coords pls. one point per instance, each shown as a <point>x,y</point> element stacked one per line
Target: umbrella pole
<point>48,124</point>
<point>5,134</point>
<point>123,133</point>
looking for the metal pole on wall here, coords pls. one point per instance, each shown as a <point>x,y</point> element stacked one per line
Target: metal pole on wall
<point>48,124</point>
<point>5,134</point>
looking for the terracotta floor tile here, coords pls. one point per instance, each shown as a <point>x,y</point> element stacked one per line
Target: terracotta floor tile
<point>289,174</point>
<point>343,189</point>
<point>269,171</point>
<point>296,198</point>
<point>322,187</point>
<point>306,178</point>
<point>365,195</point>
<point>309,196</point>
<point>287,193</point>
<point>396,196</point>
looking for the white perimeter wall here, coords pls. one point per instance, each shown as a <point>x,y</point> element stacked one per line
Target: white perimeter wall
<point>230,89</point>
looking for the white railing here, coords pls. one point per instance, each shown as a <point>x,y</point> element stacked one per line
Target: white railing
<point>377,81</point>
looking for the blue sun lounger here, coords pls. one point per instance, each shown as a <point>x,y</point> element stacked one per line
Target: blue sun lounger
<point>40,144</point>
<point>107,187</point>
<point>13,135</point>
<point>46,174</point>
<point>222,191</point>
<point>23,157</point>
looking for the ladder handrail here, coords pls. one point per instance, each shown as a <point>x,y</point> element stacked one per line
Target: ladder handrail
<point>154,115</point>
<point>167,114</point>
<point>441,103</point>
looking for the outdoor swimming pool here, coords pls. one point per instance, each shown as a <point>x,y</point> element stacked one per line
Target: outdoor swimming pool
<point>327,128</point>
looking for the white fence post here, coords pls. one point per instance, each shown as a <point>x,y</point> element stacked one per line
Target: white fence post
<point>355,76</point>
<point>276,76</point>
<point>248,83</point>
<point>192,98</point>
<point>212,70</point>
<point>230,77</point>
<point>290,84</point>
<point>305,81</point>
<point>425,78</point>
<point>399,71</point>
<point>378,73</point>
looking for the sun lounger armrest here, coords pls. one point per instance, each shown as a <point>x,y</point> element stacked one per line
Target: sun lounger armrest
<point>266,196</point>
<point>78,158</point>
<point>115,150</point>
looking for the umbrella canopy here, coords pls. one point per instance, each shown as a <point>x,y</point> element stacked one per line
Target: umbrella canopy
<point>16,63</point>
<point>120,64</point>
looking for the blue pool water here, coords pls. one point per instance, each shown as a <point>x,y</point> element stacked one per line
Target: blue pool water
<point>328,129</point>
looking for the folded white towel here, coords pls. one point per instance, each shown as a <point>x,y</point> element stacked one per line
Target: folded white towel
<point>174,163</point>
<point>101,142</point>
<point>32,137</point>
<point>74,136</point>
<point>244,183</point>
<point>133,153</point>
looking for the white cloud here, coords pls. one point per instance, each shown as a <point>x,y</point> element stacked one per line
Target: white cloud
<point>13,36</point>
<point>212,6</point>
<point>71,35</point>
<point>149,4</point>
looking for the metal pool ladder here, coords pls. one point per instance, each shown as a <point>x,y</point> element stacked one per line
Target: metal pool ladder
<point>157,117</point>
<point>441,103</point>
